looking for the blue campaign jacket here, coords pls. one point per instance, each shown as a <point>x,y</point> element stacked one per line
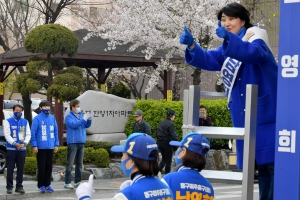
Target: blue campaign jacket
<point>189,184</point>
<point>44,132</point>
<point>258,67</point>
<point>76,132</point>
<point>143,188</point>
<point>15,128</point>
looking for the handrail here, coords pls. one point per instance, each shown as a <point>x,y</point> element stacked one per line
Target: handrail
<point>190,123</point>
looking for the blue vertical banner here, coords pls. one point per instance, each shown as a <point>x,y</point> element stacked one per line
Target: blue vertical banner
<point>287,149</point>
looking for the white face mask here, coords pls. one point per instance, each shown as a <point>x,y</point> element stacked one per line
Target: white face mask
<point>78,110</point>
<point>201,114</point>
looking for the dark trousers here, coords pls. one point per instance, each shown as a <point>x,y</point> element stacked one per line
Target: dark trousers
<point>14,158</point>
<point>266,181</point>
<point>44,161</point>
<point>166,151</point>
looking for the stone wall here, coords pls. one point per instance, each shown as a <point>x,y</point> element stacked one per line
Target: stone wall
<point>110,115</point>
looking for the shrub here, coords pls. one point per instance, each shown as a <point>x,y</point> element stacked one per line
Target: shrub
<point>101,158</point>
<point>104,145</point>
<point>60,157</point>
<point>218,111</point>
<point>30,166</point>
<point>155,110</point>
<point>29,151</point>
<point>88,156</point>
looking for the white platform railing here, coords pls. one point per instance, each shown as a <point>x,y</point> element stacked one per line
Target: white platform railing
<point>248,134</point>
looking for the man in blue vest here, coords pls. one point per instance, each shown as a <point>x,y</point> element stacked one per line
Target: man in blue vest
<point>17,135</point>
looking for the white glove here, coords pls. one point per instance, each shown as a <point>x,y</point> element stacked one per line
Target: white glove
<point>86,116</point>
<point>85,189</point>
<point>125,184</point>
<point>91,116</point>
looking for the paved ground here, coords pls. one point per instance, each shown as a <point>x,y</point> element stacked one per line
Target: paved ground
<point>105,189</point>
<point>32,192</point>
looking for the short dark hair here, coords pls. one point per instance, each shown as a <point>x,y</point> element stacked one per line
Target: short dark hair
<point>236,10</point>
<point>147,167</point>
<point>44,103</point>
<point>201,106</point>
<point>193,160</point>
<point>18,105</point>
<point>73,103</point>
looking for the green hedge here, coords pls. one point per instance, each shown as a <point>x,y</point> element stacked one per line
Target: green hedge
<point>99,157</point>
<point>104,145</point>
<point>29,151</point>
<point>155,110</point>
<point>60,157</point>
<point>30,166</point>
<point>220,115</point>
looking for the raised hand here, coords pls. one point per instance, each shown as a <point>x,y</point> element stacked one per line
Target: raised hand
<point>186,37</point>
<point>85,190</point>
<point>222,32</point>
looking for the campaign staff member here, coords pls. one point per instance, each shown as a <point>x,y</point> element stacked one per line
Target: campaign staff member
<point>139,162</point>
<point>187,183</point>
<point>17,134</point>
<point>244,57</point>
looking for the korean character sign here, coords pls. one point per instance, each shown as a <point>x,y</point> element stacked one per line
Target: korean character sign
<point>289,66</point>
<point>287,141</point>
<point>287,151</point>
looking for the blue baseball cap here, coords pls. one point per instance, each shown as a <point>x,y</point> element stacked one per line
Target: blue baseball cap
<point>194,142</point>
<point>138,145</point>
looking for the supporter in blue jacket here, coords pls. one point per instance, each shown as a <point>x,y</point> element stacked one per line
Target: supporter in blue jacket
<point>76,124</point>
<point>244,57</point>
<point>17,134</point>
<point>44,141</point>
<point>139,162</point>
<point>187,182</point>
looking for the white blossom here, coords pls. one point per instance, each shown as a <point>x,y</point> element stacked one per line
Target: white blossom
<point>156,25</point>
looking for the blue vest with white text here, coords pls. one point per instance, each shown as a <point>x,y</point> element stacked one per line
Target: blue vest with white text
<point>17,132</point>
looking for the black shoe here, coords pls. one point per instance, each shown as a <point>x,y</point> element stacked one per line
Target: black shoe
<point>20,190</point>
<point>9,191</point>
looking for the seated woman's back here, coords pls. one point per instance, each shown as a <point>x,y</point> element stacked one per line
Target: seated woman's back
<point>139,162</point>
<point>187,183</point>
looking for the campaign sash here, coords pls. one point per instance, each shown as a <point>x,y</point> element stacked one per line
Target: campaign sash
<point>231,66</point>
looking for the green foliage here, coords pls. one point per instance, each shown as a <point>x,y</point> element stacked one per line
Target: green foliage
<point>9,85</point>
<point>26,84</point>
<point>30,166</point>
<point>88,155</point>
<point>57,63</point>
<point>118,89</point>
<point>155,110</point>
<point>51,39</point>
<point>65,87</point>
<point>104,145</point>
<point>36,65</point>
<point>218,111</point>
<point>72,70</point>
<point>101,158</point>
<point>60,157</point>
<point>29,151</point>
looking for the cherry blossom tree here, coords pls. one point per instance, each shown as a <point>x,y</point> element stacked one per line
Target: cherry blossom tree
<point>157,25</point>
